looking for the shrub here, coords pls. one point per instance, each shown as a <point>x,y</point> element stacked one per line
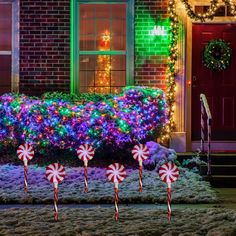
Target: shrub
<point>66,121</point>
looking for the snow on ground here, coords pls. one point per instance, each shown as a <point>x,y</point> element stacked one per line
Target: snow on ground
<point>188,189</point>
<point>132,221</point>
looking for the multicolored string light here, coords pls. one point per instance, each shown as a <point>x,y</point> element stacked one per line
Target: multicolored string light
<point>126,118</point>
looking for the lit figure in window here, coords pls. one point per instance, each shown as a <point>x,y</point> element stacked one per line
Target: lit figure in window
<point>103,73</point>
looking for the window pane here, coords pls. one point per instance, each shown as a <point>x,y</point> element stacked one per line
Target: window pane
<point>5,27</point>
<point>86,78</point>
<point>103,11</point>
<point>97,20</point>
<point>116,90</point>
<point>5,74</point>
<point>87,11</point>
<point>118,78</point>
<point>118,42</point>
<point>87,26</point>
<point>87,62</point>
<point>5,69</point>
<point>118,39</point>
<point>102,28</point>
<point>201,9</point>
<point>220,11</point>
<point>118,11</point>
<point>102,90</point>
<point>118,62</point>
<point>103,72</point>
<point>87,89</point>
<point>87,42</point>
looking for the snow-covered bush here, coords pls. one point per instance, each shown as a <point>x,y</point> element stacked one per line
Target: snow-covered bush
<point>194,163</point>
<point>159,155</point>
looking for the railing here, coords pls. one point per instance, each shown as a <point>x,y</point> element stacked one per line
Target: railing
<point>205,109</point>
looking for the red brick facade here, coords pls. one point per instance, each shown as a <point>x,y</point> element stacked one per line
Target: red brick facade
<point>44,46</point>
<point>150,70</point>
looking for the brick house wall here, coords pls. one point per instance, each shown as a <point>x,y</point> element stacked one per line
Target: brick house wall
<point>45,46</point>
<point>150,65</point>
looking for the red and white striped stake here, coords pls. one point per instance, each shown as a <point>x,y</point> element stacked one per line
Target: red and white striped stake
<point>169,173</point>
<point>25,153</point>
<point>116,173</point>
<point>85,153</point>
<point>25,176</point>
<point>55,199</point>
<point>169,201</point>
<point>140,153</point>
<point>116,201</point>
<point>55,173</point>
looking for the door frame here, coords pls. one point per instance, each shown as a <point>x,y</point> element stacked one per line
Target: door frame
<point>15,44</point>
<point>194,145</point>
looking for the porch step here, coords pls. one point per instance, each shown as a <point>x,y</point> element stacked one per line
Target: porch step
<point>222,181</point>
<point>223,168</point>
<point>219,169</point>
<point>216,158</point>
<point>222,159</point>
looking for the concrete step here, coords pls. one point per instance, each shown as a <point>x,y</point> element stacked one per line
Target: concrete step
<point>219,169</point>
<point>222,159</point>
<point>216,158</point>
<point>223,168</point>
<point>223,181</point>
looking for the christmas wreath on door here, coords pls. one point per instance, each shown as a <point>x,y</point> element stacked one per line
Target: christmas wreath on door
<point>217,54</point>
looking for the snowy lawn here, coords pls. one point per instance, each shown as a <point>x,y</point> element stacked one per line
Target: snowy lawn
<point>188,189</point>
<point>132,221</point>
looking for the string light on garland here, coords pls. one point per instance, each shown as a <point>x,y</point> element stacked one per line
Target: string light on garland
<point>126,118</point>
<point>171,70</point>
<point>231,6</point>
<point>214,5</point>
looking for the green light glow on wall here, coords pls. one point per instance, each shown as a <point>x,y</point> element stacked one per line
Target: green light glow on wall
<point>152,35</point>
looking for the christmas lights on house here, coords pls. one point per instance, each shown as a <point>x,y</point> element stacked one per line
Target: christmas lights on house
<point>126,118</point>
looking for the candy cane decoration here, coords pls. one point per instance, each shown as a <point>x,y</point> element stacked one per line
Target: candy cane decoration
<point>85,153</point>
<point>169,173</point>
<point>116,173</point>
<point>25,153</point>
<point>140,153</point>
<point>55,173</point>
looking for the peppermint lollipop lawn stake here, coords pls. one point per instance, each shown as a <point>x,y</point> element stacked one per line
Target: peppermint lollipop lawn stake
<point>85,153</point>
<point>140,153</point>
<point>25,153</point>
<point>55,173</point>
<point>169,173</point>
<point>116,173</point>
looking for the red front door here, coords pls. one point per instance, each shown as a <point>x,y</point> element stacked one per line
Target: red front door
<point>218,86</point>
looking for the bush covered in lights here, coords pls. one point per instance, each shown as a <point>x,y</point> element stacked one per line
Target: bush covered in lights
<point>65,121</point>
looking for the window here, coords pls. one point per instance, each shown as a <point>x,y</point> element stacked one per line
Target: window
<point>5,46</point>
<point>104,49</point>
<point>9,46</point>
<point>221,11</point>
